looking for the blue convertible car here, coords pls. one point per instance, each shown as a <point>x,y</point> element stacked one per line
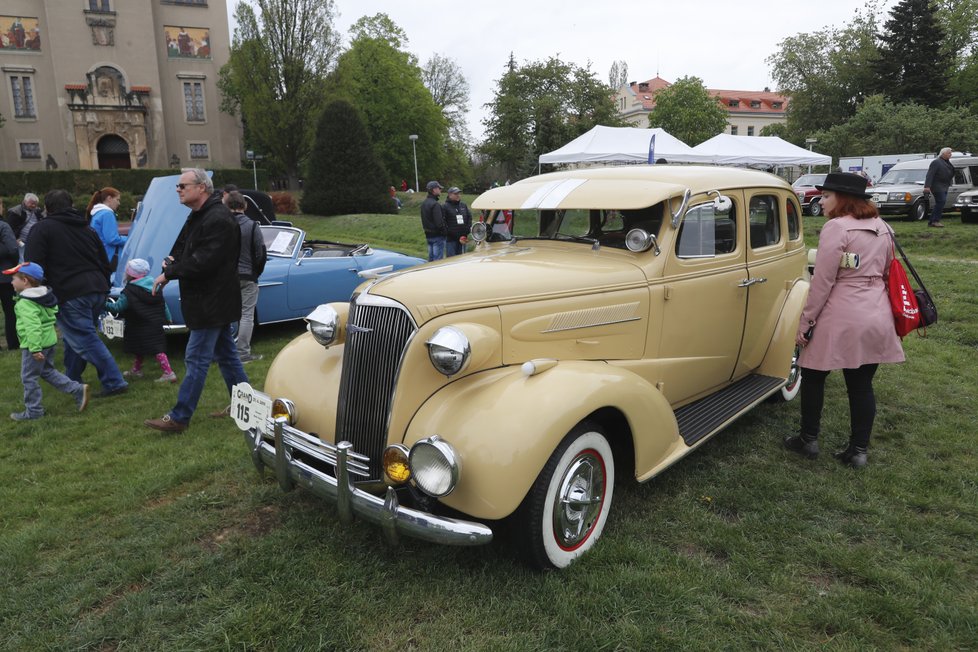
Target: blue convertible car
<point>300,273</point>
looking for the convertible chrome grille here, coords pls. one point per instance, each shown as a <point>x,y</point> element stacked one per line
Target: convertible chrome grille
<point>378,332</point>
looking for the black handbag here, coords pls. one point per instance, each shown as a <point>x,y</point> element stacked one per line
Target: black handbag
<point>928,309</point>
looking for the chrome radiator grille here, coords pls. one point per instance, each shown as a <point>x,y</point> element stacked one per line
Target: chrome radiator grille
<point>378,332</point>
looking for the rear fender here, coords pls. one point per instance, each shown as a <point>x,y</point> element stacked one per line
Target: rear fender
<point>777,360</point>
<point>505,425</point>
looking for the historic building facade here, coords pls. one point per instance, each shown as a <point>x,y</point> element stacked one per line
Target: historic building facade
<point>747,111</point>
<point>114,84</point>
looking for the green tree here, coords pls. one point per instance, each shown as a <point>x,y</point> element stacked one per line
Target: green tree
<point>617,75</point>
<point>380,26</point>
<point>881,126</point>
<point>274,76</point>
<point>344,174</point>
<point>959,19</point>
<point>688,111</point>
<point>913,65</point>
<point>826,73</point>
<point>386,87</point>
<point>539,107</point>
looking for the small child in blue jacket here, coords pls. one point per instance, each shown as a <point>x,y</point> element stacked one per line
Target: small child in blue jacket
<point>145,313</point>
<point>36,307</point>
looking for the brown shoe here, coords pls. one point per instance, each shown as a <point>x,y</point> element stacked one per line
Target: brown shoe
<point>220,414</point>
<point>165,424</point>
<point>83,399</point>
<point>937,225</point>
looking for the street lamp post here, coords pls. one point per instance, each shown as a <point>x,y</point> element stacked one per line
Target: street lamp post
<point>414,150</point>
<point>810,142</point>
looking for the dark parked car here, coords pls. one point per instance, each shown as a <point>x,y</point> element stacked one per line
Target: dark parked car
<point>809,196</point>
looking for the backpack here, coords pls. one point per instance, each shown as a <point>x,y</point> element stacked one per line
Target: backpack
<point>259,254</point>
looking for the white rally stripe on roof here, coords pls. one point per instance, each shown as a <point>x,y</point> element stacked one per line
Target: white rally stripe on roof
<point>549,195</point>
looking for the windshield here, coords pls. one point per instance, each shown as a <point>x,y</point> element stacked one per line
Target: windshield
<point>809,180</point>
<point>894,177</point>
<point>606,226</point>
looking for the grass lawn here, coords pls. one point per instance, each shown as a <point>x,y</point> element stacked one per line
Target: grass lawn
<point>115,537</point>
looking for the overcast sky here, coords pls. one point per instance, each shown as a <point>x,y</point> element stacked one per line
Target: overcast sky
<point>723,42</point>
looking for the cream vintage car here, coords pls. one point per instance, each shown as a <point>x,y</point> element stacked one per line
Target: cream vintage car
<point>512,386</point>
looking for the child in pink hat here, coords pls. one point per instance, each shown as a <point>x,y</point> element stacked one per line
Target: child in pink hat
<point>145,314</point>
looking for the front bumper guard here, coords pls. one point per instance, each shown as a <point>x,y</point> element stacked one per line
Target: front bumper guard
<point>384,512</point>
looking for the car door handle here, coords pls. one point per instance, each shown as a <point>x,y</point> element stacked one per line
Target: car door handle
<point>747,282</point>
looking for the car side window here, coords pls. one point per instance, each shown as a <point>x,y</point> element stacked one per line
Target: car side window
<point>705,232</point>
<point>794,224</point>
<point>765,221</point>
<point>959,176</point>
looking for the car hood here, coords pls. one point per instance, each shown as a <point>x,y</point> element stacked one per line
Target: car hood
<point>896,187</point>
<point>509,274</point>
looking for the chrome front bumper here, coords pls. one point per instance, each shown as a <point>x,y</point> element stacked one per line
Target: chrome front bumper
<point>384,512</point>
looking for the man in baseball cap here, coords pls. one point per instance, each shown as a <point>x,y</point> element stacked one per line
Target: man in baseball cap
<point>433,222</point>
<point>458,222</point>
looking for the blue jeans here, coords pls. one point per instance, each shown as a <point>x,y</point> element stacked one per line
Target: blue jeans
<point>77,319</point>
<point>940,198</point>
<point>436,248</point>
<point>204,345</point>
<point>453,247</point>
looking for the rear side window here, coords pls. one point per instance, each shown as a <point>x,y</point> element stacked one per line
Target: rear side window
<point>794,224</point>
<point>705,232</point>
<point>765,221</point>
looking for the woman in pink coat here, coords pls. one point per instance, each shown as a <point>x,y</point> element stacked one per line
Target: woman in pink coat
<point>847,323</point>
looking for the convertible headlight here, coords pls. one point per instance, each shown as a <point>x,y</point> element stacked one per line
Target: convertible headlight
<point>396,465</point>
<point>434,466</point>
<point>324,324</point>
<point>449,350</point>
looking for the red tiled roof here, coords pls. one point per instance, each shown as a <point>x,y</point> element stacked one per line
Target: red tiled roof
<point>645,92</point>
<point>141,89</point>
<point>76,87</point>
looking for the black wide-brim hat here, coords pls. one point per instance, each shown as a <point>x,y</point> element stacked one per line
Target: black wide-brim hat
<point>845,182</point>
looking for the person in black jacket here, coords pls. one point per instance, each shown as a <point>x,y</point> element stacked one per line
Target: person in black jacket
<point>458,222</point>
<point>433,222</point>
<point>23,217</point>
<point>9,257</point>
<point>940,176</point>
<point>210,295</point>
<point>77,270</point>
<point>252,255</point>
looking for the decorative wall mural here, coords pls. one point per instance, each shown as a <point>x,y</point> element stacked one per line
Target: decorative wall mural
<point>187,42</point>
<point>19,33</point>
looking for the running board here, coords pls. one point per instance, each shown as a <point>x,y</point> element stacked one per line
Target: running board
<point>711,413</point>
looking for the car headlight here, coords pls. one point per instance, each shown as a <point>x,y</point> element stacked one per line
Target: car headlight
<point>449,350</point>
<point>397,468</point>
<point>324,324</point>
<point>434,466</point>
<point>905,197</point>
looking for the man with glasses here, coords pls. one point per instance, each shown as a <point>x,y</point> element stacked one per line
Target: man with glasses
<point>210,295</point>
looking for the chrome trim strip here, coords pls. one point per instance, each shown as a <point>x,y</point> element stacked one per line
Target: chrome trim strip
<point>383,512</point>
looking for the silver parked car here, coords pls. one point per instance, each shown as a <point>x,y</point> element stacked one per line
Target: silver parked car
<point>901,190</point>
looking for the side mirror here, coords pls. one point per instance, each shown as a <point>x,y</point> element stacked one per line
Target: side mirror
<point>639,240</point>
<point>722,204</point>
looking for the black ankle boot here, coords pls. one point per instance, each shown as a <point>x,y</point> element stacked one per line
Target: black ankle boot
<point>854,456</point>
<point>804,447</point>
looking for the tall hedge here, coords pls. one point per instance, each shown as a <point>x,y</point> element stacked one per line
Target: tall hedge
<point>345,176</point>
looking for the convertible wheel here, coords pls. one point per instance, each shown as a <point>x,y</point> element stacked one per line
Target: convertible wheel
<point>815,208</point>
<point>565,511</point>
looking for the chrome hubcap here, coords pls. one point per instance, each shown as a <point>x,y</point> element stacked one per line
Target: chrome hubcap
<point>579,498</point>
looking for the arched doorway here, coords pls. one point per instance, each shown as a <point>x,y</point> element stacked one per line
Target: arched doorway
<point>113,152</point>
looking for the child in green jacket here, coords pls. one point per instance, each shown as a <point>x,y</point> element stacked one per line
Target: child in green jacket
<point>36,307</point>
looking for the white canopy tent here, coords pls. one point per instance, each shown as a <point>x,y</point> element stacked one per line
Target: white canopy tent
<point>622,145</point>
<point>726,149</point>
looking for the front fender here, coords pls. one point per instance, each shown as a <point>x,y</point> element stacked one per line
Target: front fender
<point>777,360</point>
<point>308,373</point>
<point>505,425</point>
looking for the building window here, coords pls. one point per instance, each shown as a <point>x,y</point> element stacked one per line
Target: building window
<point>733,130</point>
<point>199,151</point>
<point>733,103</point>
<point>99,5</point>
<point>30,151</point>
<point>22,89</point>
<point>193,99</point>
<point>750,131</point>
<point>755,104</point>
<point>775,105</point>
